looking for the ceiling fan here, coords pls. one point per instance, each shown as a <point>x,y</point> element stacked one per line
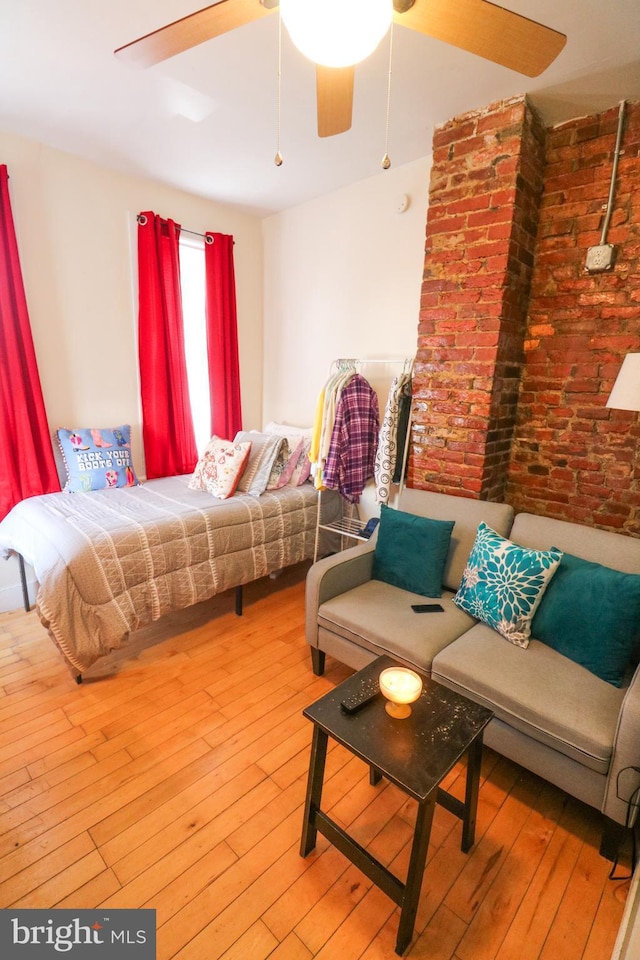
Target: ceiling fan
<point>477,26</point>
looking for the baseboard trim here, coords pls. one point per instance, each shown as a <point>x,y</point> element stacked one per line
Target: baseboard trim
<point>11,597</point>
<point>627,945</point>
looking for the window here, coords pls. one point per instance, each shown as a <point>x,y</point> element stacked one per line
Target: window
<point>170,270</point>
<point>192,280</point>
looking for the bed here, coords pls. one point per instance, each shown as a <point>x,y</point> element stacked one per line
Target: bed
<point>110,561</point>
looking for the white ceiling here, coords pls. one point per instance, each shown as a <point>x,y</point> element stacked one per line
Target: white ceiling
<point>206,120</point>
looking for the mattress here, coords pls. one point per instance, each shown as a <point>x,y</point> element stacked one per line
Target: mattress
<point>110,561</point>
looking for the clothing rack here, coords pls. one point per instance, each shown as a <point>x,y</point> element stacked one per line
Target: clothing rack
<point>352,527</point>
<point>344,362</point>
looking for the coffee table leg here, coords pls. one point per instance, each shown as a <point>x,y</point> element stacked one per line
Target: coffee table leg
<point>314,790</point>
<point>419,848</point>
<point>374,776</point>
<point>474,758</point>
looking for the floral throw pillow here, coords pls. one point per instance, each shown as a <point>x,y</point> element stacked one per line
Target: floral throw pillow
<point>280,465</point>
<point>286,462</point>
<point>503,583</point>
<point>302,469</point>
<point>220,467</point>
<point>299,439</point>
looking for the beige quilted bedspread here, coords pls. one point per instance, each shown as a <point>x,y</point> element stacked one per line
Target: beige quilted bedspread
<point>111,561</point>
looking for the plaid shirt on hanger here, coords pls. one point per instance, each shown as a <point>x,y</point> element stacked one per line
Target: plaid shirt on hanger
<point>354,440</point>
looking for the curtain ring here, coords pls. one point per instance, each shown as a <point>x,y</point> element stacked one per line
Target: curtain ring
<point>208,238</point>
<point>142,220</point>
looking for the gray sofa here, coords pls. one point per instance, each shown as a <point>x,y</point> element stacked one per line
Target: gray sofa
<point>552,715</point>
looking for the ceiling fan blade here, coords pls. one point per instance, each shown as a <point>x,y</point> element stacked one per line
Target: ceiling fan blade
<point>334,93</point>
<point>188,32</point>
<point>487,30</point>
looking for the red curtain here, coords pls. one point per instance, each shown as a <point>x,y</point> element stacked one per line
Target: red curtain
<point>167,425</point>
<point>222,336</point>
<point>28,466</point>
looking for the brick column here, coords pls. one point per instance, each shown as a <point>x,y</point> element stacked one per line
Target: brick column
<point>572,457</point>
<point>485,189</point>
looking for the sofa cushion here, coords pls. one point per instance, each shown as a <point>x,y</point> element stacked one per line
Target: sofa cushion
<point>591,614</point>
<point>467,513</point>
<point>411,551</point>
<point>503,583</point>
<point>537,691</point>
<point>378,617</point>
<point>602,546</point>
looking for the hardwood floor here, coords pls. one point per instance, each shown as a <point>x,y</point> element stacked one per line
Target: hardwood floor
<point>174,777</point>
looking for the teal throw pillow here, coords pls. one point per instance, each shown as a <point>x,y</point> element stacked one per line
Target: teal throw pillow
<point>503,583</point>
<point>591,614</point>
<point>411,551</point>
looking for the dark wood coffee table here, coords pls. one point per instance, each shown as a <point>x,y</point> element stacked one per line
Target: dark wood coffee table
<point>415,754</point>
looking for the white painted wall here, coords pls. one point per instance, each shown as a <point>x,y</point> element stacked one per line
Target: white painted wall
<point>75,223</point>
<point>342,278</point>
<point>339,276</point>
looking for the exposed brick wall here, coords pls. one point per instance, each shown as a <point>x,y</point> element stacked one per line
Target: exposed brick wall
<point>486,182</point>
<point>518,346</point>
<point>572,457</point>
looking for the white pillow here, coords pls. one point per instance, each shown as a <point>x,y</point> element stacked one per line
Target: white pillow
<point>288,431</point>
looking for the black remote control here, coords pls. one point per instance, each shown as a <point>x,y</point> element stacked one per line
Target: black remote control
<point>368,691</point>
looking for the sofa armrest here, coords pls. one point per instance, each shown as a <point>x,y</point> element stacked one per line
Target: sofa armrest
<point>626,755</point>
<point>332,576</point>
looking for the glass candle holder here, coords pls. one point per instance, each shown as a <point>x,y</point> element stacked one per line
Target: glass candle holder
<point>401,687</point>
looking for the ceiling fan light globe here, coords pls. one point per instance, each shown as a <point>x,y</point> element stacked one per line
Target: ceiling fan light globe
<point>336,33</point>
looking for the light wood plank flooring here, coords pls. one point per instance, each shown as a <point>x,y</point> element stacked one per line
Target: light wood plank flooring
<point>174,778</point>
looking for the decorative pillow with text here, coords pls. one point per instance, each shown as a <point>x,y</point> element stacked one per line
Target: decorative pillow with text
<point>97,458</point>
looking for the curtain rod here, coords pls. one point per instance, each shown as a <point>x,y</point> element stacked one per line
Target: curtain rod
<point>194,233</point>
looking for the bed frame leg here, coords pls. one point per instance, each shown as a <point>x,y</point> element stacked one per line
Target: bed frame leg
<point>239,601</point>
<point>23,581</point>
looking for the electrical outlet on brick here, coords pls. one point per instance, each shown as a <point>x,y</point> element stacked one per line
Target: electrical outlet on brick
<point>599,258</point>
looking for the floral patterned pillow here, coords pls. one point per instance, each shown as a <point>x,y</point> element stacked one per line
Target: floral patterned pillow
<point>220,467</point>
<point>276,477</point>
<point>503,583</point>
<point>299,439</point>
<point>302,469</point>
<point>286,462</point>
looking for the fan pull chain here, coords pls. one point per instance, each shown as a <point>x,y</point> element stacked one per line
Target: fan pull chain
<point>386,162</point>
<point>278,159</point>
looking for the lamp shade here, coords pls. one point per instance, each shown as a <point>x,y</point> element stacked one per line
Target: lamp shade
<point>626,390</point>
<point>336,33</point>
